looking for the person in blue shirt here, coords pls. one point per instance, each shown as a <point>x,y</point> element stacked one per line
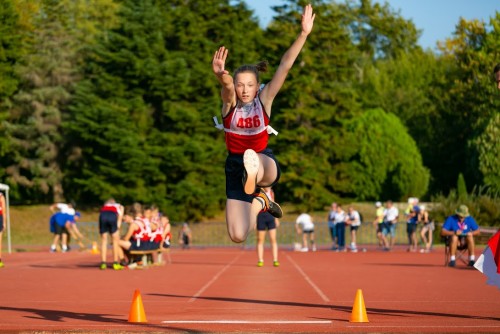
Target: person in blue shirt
<point>58,223</point>
<point>461,228</point>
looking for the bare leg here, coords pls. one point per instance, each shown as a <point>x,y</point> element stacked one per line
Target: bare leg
<point>274,244</point>
<point>453,245</point>
<point>268,172</point>
<point>241,218</point>
<point>470,245</point>
<point>304,240</point>
<point>261,236</point>
<point>104,246</point>
<point>116,247</point>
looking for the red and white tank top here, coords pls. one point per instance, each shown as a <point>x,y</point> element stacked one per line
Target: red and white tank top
<point>111,207</point>
<point>246,128</point>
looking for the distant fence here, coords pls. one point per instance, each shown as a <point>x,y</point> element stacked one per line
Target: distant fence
<point>215,234</point>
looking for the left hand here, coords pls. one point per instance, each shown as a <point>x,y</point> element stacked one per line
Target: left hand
<point>307,19</point>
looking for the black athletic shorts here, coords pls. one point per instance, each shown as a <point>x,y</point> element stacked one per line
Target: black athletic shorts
<point>61,229</point>
<point>265,221</point>
<point>108,222</point>
<point>234,176</point>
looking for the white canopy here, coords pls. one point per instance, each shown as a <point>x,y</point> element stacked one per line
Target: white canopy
<point>5,188</point>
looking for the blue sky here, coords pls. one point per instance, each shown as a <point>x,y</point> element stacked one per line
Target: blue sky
<point>436,18</point>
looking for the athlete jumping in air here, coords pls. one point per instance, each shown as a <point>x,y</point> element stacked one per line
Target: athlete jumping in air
<point>246,111</point>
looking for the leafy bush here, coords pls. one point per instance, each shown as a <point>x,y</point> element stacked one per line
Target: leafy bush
<point>483,206</point>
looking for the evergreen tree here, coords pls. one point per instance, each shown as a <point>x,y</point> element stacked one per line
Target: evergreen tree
<point>162,83</point>
<point>380,164</point>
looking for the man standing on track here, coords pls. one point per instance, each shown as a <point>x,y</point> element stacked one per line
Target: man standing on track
<point>110,219</point>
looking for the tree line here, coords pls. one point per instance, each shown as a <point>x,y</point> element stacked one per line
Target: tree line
<point>115,98</point>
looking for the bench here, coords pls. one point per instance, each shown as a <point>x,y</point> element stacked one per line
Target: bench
<point>145,253</point>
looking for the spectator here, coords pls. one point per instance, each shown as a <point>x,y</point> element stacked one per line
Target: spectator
<point>304,225</point>
<point>412,213</point>
<point>391,215</point>
<point>166,236</point>
<point>354,221</point>
<point>2,223</point>
<point>461,228</point>
<point>62,207</point>
<point>74,233</point>
<point>110,219</point>
<point>340,218</point>
<point>58,223</point>
<point>379,225</point>
<point>427,229</point>
<point>137,236</point>
<point>331,225</point>
<point>185,236</point>
<point>266,221</point>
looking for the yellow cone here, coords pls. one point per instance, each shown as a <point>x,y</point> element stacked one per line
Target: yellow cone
<point>95,249</point>
<point>358,310</point>
<point>137,313</point>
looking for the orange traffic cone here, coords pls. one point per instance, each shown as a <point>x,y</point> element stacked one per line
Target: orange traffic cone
<point>137,313</point>
<point>358,310</point>
<point>95,249</point>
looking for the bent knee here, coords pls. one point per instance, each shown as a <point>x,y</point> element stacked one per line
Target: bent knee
<point>238,236</point>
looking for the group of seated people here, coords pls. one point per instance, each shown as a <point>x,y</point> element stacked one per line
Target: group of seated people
<point>147,230</point>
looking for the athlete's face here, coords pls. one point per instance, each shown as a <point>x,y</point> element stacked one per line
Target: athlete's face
<point>246,86</point>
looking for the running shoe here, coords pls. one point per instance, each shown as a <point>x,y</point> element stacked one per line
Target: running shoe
<point>471,263</point>
<point>452,263</point>
<point>260,264</point>
<point>276,264</point>
<point>251,164</point>
<point>272,207</point>
<point>117,266</point>
<point>103,266</point>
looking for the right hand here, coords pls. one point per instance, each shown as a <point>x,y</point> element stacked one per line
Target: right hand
<point>219,62</point>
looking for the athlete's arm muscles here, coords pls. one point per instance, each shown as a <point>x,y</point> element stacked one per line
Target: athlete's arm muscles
<point>228,95</point>
<point>270,91</point>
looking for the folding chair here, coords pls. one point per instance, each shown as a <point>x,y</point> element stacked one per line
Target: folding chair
<point>461,253</point>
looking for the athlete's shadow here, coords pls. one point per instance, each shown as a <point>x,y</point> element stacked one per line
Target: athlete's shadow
<point>65,316</point>
<point>347,309</point>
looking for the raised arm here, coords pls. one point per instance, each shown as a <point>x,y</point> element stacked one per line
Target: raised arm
<point>273,87</point>
<point>228,94</point>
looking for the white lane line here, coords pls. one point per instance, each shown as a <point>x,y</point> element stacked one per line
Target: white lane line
<point>278,322</point>
<point>314,286</point>
<point>216,276</point>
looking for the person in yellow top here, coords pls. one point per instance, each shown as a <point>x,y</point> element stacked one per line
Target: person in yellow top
<point>379,224</point>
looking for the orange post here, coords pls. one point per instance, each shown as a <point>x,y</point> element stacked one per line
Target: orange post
<point>358,310</point>
<point>137,313</point>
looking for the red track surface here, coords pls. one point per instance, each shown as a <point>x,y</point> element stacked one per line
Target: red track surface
<point>222,290</point>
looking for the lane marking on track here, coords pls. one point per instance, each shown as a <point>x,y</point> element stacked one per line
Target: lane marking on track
<point>214,278</point>
<point>268,322</point>
<point>308,280</point>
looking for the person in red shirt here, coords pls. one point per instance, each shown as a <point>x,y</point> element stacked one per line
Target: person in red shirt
<point>246,111</point>
<point>110,219</point>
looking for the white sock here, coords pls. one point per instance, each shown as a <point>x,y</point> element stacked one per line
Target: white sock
<point>261,200</point>
<point>472,257</point>
<point>452,258</point>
